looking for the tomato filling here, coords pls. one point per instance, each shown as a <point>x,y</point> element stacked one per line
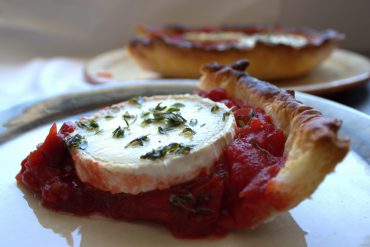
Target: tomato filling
<point>231,196</point>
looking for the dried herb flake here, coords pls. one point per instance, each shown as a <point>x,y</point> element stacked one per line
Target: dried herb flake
<point>188,131</point>
<point>76,141</point>
<point>161,130</point>
<point>88,125</point>
<point>118,133</point>
<point>172,148</point>
<point>189,203</point>
<point>178,105</point>
<point>138,141</point>
<point>215,108</point>
<point>225,115</point>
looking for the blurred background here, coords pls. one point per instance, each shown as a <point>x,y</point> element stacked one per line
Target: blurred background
<point>44,43</point>
<point>87,27</point>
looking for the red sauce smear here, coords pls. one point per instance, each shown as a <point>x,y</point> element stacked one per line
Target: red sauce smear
<point>103,74</point>
<point>232,196</point>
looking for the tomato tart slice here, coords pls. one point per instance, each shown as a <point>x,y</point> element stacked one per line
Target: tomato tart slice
<point>232,155</point>
<point>275,52</point>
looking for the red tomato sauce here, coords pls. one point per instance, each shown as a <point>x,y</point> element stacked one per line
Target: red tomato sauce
<point>232,196</point>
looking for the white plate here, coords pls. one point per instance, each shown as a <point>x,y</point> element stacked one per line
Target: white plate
<point>336,215</point>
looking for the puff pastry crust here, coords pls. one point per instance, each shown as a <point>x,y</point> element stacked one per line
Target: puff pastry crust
<point>313,147</point>
<point>165,51</point>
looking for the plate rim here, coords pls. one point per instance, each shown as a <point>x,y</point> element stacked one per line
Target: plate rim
<point>50,101</point>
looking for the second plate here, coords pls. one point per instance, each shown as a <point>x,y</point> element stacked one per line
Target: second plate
<point>341,71</point>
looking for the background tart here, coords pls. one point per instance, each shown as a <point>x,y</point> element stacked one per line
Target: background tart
<point>275,52</point>
<point>312,149</point>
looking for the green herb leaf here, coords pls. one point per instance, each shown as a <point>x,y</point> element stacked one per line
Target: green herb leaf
<point>145,114</point>
<point>99,131</point>
<point>133,121</point>
<point>178,105</point>
<point>76,141</point>
<point>241,123</point>
<point>202,125</point>
<point>93,124</point>
<point>225,115</point>
<point>193,122</point>
<point>188,131</point>
<point>215,108</point>
<point>109,117</point>
<point>138,141</point>
<point>255,144</point>
<point>169,116</point>
<point>252,113</point>
<point>172,148</point>
<point>159,107</point>
<point>176,148</point>
<point>174,119</point>
<point>127,115</point>
<point>118,133</point>
<point>170,119</point>
<point>147,121</point>
<point>161,130</point>
<point>127,124</point>
<point>172,109</point>
<point>181,201</point>
<point>189,203</point>
<point>88,125</point>
<point>155,154</point>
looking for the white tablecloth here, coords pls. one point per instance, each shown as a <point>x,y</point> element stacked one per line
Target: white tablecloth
<point>40,78</point>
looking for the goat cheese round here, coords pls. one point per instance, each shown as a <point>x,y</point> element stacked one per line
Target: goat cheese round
<point>150,143</point>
